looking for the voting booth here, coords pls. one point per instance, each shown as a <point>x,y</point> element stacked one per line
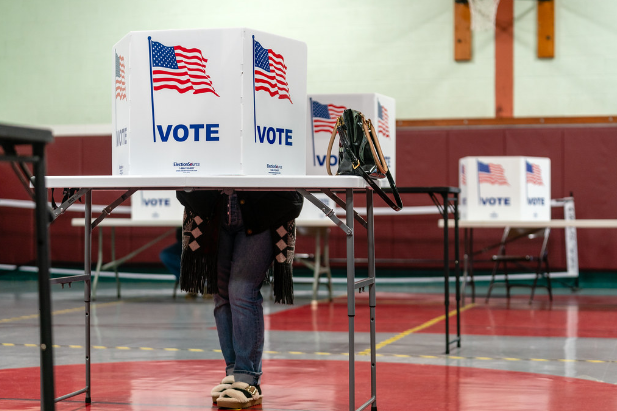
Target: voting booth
<point>505,188</point>
<point>149,205</point>
<point>324,109</point>
<point>208,102</point>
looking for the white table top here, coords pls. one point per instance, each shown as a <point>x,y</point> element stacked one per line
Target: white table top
<point>128,222</point>
<point>582,223</point>
<point>204,182</point>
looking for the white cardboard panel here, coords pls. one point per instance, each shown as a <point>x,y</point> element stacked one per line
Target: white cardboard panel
<point>323,109</point>
<point>505,188</point>
<point>195,105</point>
<point>149,205</point>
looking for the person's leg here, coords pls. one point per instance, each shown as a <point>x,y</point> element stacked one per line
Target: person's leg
<point>242,264</point>
<point>251,258</point>
<point>222,308</point>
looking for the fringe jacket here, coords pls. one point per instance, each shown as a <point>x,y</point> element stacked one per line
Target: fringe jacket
<point>261,210</point>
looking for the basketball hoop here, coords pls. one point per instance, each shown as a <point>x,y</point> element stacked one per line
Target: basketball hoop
<point>483,14</point>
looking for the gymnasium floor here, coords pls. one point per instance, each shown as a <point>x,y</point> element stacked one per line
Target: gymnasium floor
<point>151,352</point>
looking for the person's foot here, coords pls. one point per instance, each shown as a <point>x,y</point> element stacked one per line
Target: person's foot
<point>240,395</point>
<point>218,390</point>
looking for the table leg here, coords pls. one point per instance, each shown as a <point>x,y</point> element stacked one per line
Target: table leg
<point>372,293</point>
<point>326,256</point>
<point>317,266</point>
<point>457,271</point>
<point>88,271</point>
<point>113,258</point>
<point>99,262</point>
<point>446,269</point>
<point>351,295</point>
<point>43,262</point>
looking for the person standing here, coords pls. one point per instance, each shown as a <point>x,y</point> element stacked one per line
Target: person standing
<point>230,239</point>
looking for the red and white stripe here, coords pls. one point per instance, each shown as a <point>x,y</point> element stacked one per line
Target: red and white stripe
<point>120,81</point>
<point>189,76</point>
<point>327,125</point>
<point>383,126</point>
<point>496,176</point>
<point>535,177</point>
<point>275,82</point>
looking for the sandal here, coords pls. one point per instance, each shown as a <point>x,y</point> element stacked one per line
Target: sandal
<point>240,395</point>
<point>218,390</point>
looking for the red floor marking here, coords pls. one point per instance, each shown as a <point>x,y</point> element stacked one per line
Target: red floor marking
<point>310,386</point>
<point>567,316</point>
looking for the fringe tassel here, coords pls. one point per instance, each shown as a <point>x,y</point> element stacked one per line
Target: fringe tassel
<point>283,284</point>
<point>198,273</point>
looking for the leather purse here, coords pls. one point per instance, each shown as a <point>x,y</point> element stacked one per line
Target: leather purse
<point>360,154</point>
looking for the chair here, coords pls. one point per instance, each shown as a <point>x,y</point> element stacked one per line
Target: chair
<point>319,262</point>
<point>538,263</point>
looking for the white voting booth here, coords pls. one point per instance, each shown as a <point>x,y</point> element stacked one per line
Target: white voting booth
<point>209,102</point>
<point>505,188</point>
<point>324,109</point>
<point>149,205</point>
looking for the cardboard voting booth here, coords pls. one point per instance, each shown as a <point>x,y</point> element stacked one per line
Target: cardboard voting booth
<point>505,188</point>
<point>324,109</point>
<point>209,102</point>
<point>148,205</point>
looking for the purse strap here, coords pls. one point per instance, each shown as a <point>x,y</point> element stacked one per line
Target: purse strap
<point>397,204</point>
<point>371,137</point>
<point>339,122</point>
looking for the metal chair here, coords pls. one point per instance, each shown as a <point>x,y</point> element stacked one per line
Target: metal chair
<point>537,263</point>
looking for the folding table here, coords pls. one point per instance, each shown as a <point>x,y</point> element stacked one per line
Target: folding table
<point>10,138</point>
<point>329,185</point>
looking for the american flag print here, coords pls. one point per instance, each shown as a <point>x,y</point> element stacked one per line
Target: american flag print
<point>534,174</point>
<point>181,69</point>
<point>383,127</point>
<point>270,72</point>
<point>492,174</point>
<point>325,115</point>
<point>463,176</point>
<point>120,81</point>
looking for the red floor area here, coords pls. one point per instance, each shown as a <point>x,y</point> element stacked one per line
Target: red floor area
<point>567,316</point>
<point>310,385</point>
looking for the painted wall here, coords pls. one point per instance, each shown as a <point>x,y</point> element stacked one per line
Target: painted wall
<point>55,56</point>
<point>580,80</point>
<point>582,164</point>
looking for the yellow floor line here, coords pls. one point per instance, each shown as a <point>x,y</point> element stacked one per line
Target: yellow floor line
<point>69,310</point>
<point>416,329</point>
<point>320,353</point>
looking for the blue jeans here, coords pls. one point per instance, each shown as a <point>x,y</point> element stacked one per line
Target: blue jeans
<point>170,256</point>
<point>242,264</point>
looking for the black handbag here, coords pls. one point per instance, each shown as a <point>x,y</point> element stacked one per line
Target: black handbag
<point>360,154</point>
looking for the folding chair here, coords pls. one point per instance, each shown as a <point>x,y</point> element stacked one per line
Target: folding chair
<point>537,263</point>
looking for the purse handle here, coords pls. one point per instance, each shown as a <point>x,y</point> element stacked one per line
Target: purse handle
<point>356,162</point>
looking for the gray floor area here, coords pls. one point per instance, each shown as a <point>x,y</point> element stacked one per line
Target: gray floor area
<point>147,324</point>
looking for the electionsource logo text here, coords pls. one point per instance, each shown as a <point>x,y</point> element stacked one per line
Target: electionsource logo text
<point>188,167</point>
<point>274,168</point>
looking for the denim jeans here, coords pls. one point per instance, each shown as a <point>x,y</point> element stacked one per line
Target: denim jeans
<point>242,264</point>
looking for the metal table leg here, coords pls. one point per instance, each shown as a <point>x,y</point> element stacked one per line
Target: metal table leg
<point>351,296</point>
<point>87,283</point>
<point>372,294</point>
<point>43,260</point>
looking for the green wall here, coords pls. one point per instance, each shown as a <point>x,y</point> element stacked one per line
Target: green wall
<point>56,64</point>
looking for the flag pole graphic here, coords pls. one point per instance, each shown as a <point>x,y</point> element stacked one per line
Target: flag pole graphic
<point>479,194</point>
<point>151,88</point>
<point>254,109</point>
<point>313,130</point>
